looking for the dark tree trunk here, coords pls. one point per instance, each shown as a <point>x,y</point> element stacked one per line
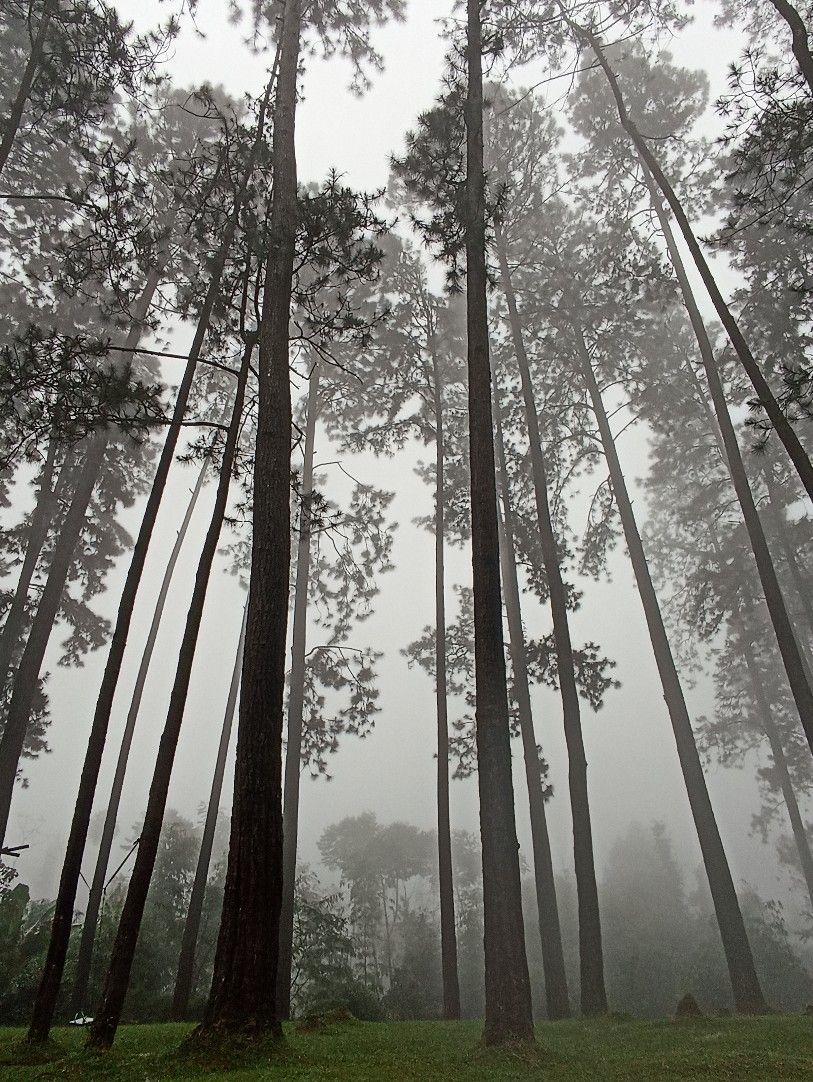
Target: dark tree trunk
<point>11,124</point>
<point>52,975</point>
<point>799,578</point>
<point>553,960</point>
<point>785,636</point>
<point>103,1030</point>
<point>799,38</point>
<point>243,994</point>
<point>97,887</point>
<point>448,930</point>
<point>186,961</point>
<point>293,754</point>
<point>748,997</point>
<point>41,519</point>
<point>591,957</point>
<point>782,426</point>
<point>27,675</point>
<point>508,1014</point>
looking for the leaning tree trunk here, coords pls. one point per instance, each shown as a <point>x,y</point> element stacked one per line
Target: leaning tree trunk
<point>798,576</point>
<point>448,930</point>
<point>785,636</point>
<point>84,958</point>
<point>41,518</point>
<point>553,959</point>
<point>60,932</point>
<point>784,429</point>
<point>243,994</point>
<point>186,960</point>
<point>27,675</point>
<point>296,699</point>
<point>11,124</point>
<point>508,1014</point>
<point>748,997</point>
<point>800,41</point>
<point>591,957</point>
<point>108,1014</point>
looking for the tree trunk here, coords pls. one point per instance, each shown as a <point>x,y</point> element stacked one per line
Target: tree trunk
<point>748,997</point>
<point>71,871</point>
<point>508,1013</point>
<point>103,1030</point>
<point>12,124</point>
<point>591,958</point>
<point>97,887</point>
<point>785,636</point>
<point>781,424</point>
<point>41,519</point>
<point>27,675</point>
<point>797,573</point>
<point>243,993</point>
<point>556,992</point>
<point>293,754</point>
<point>448,930</point>
<point>186,961</point>
<point>799,38</point>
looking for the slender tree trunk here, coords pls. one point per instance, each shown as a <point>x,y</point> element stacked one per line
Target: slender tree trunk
<point>60,933</point>
<point>591,957</point>
<point>186,961</point>
<point>553,959</point>
<point>799,37</point>
<point>508,1013</point>
<point>296,697</point>
<point>103,1030</point>
<point>782,426</point>
<point>243,994</point>
<point>448,930</point>
<point>11,125</point>
<point>27,675</point>
<point>785,636</point>
<point>748,997</point>
<point>41,518</point>
<point>798,576</point>
<point>97,887</point>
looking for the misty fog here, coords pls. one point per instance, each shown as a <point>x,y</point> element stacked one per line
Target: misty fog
<point>371,712</point>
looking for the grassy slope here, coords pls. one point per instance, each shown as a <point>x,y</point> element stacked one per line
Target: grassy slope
<point>765,1049</point>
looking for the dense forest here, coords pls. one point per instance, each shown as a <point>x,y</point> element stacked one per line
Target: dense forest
<point>406,588</point>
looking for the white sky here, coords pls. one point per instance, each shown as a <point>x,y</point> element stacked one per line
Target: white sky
<point>633,765</point>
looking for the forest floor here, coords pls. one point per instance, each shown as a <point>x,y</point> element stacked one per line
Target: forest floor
<point>778,1047</point>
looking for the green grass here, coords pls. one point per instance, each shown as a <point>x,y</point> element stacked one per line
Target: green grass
<point>727,1048</point>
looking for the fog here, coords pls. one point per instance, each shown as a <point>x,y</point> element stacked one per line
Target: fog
<point>634,774</point>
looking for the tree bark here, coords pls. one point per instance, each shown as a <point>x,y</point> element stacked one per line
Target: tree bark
<point>800,42</point>
<point>186,961</point>
<point>97,887</point>
<point>508,1014</point>
<point>12,125</point>
<point>108,1014</point>
<point>747,993</point>
<point>784,429</point>
<point>783,629</point>
<point>243,994</point>
<point>448,929</point>
<point>71,871</point>
<point>41,519</point>
<point>556,993</point>
<point>293,754</point>
<point>591,958</point>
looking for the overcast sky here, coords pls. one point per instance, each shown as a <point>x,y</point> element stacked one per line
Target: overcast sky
<point>634,773</point>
